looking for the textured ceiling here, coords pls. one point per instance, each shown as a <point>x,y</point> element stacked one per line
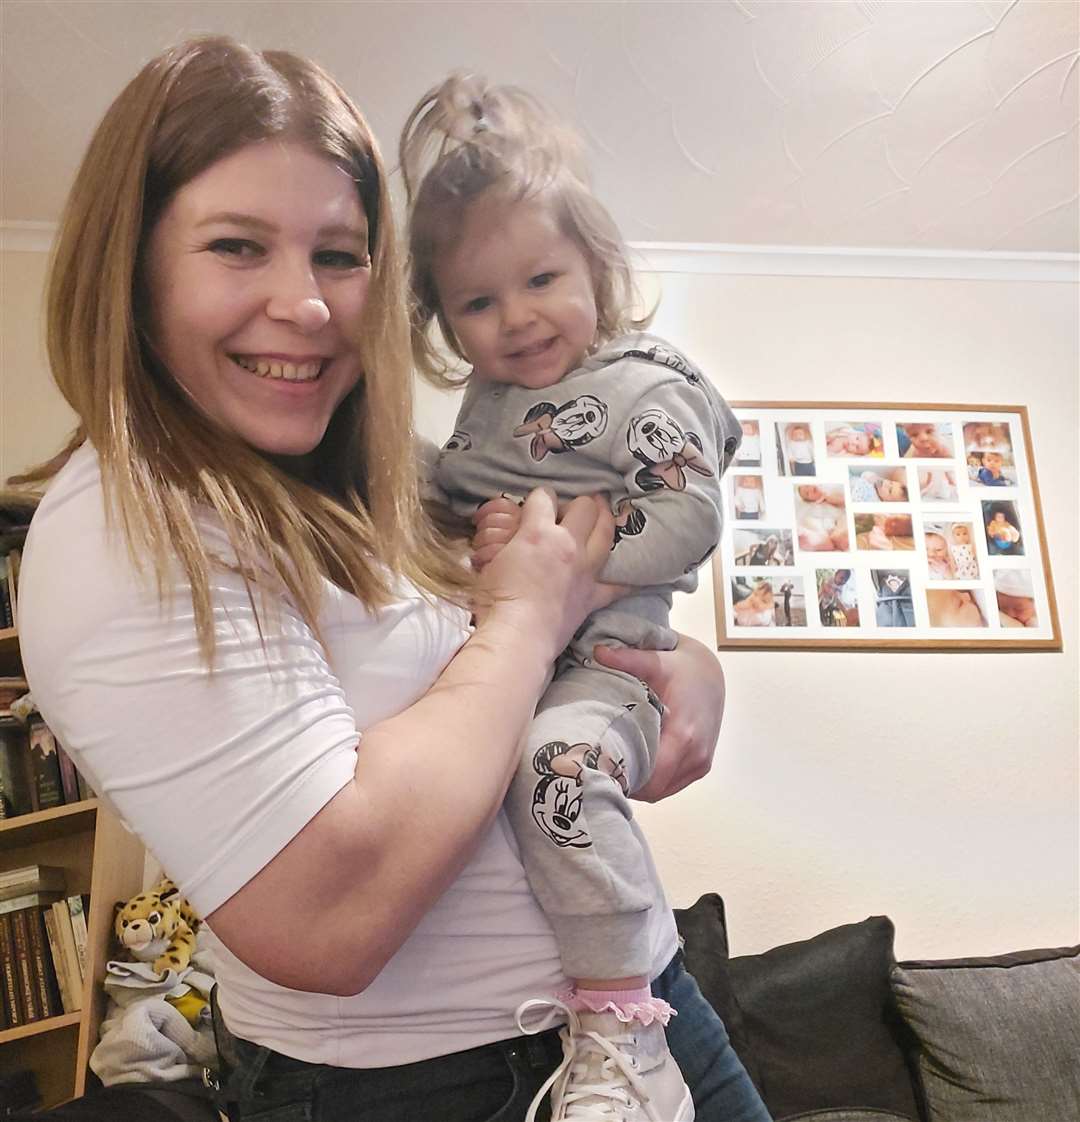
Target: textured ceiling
<point>871,123</point>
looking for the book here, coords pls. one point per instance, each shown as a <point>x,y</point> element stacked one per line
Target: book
<point>56,953</point>
<point>14,557</point>
<point>31,878</point>
<point>15,783</point>
<point>69,777</point>
<point>44,971</point>
<point>7,616</point>
<point>78,906</point>
<point>69,954</point>
<point>28,1000</point>
<point>45,765</point>
<point>28,900</point>
<point>9,978</point>
<point>18,1090</point>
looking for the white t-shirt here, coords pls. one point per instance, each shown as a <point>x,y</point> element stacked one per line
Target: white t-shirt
<point>217,771</point>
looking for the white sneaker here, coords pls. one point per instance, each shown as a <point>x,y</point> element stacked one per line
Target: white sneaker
<point>612,1072</point>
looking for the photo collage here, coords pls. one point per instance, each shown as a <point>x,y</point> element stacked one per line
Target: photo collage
<point>871,525</point>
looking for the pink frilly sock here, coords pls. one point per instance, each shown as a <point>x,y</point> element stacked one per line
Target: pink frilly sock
<point>628,1005</point>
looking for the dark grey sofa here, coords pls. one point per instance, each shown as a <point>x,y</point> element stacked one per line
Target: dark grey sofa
<point>833,1029</point>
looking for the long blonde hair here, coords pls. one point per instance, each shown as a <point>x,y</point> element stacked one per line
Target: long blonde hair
<point>466,137</point>
<point>162,460</point>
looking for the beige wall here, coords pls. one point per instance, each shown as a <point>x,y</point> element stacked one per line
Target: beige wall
<point>34,418</point>
<point>940,789</point>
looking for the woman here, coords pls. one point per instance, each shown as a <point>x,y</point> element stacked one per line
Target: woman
<point>257,584</point>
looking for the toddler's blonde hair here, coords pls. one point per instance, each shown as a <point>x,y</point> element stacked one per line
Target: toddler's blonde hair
<point>467,137</point>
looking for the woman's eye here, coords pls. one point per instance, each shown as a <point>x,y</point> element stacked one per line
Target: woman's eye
<point>340,259</point>
<point>541,280</point>
<point>236,247</point>
<point>479,304</point>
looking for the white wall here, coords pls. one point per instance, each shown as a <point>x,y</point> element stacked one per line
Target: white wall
<point>939,789</point>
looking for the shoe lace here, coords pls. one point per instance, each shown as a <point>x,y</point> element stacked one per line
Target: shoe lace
<point>595,1081</point>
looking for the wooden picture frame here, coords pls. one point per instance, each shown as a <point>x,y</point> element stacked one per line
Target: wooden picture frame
<point>884,526</point>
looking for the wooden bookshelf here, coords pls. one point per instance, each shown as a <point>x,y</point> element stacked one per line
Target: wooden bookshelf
<point>101,857</point>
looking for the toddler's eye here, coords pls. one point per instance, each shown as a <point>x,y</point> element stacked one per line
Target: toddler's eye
<point>240,248</point>
<point>479,304</point>
<point>340,259</point>
<point>541,280</point>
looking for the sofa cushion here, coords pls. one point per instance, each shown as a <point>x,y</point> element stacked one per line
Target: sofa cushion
<point>999,1037</point>
<point>847,1116</point>
<point>813,1022</point>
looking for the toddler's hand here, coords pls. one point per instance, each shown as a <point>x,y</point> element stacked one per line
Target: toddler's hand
<point>496,523</point>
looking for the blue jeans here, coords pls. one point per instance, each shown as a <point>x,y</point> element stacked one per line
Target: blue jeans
<point>492,1083</point>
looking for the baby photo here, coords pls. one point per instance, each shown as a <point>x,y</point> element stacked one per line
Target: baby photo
<point>991,469</point>
<point>925,440</point>
<point>988,436</point>
<point>821,517</point>
<point>937,485</point>
<point>1015,598</point>
<point>955,607</point>
<point>1002,525</point>
<point>884,531</point>
<point>749,497</point>
<point>838,602</point>
<point>794,448</point>
<point>881,485</point>
<point>749,453</point>
<point>950,551</point>
<point>893,605</point>
<point>768,602</point>
<point>763,547</point>
<point>858,438</point>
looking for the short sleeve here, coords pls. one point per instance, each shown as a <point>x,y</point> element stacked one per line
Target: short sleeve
<point>216,770</point>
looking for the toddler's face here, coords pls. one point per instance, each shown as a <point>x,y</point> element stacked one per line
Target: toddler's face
<point>517,293</point>
<point>891,491</point>
<point>859,443</point>
<point>797,432</point>
<point>936,548</point>
<point>923,437</point>
<point>749,428</point>
<point>992,460</point>
<point>961,535</point>
<point>811,493</point>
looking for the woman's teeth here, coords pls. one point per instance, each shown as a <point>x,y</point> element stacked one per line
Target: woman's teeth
<point>271,368</point>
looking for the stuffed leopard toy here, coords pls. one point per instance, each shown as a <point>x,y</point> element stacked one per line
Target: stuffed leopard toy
<point>158,926</point>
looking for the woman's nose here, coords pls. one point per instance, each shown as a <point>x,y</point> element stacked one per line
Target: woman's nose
<point>297,299</point>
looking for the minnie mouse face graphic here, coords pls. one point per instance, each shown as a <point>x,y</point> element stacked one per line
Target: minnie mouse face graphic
<point>658,441</point>
<point>560,428</point>
<point>557,797</point>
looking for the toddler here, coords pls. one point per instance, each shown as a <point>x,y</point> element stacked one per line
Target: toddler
<point>822,522</point>
<point>749,500</point>
<point>527,278</point>
<point>924,440</point>
<point>846,441</point>
<point>1001,532</point>
<point>990,474</point>
<point>962,552</point>
<point>750,451</point>
<point>938,561</point>
<point>800,450</point>
<point>868,486</point>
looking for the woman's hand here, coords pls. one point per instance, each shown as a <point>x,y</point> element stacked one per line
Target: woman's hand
<point>690,682</point>
<point>543,579</point>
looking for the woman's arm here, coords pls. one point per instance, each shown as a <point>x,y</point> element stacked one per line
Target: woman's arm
<point>690,682</point>
<point>429,781</point>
